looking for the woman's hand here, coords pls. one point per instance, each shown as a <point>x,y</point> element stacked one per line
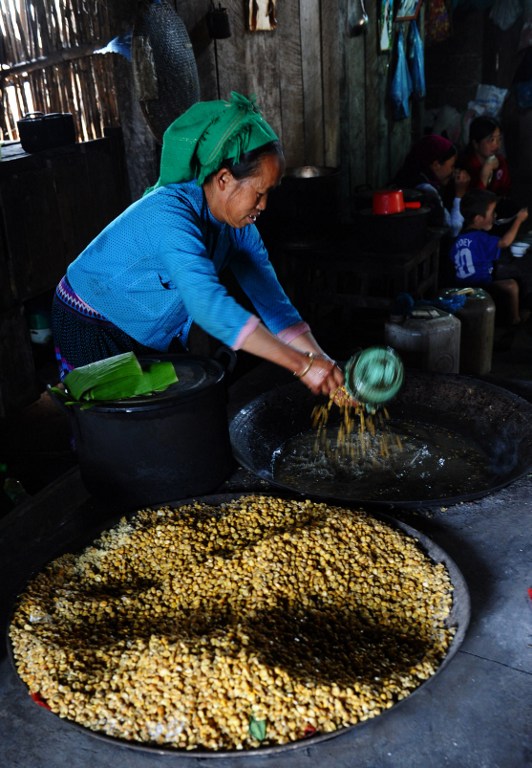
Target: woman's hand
<point>490,164</point>
<point>461,182</point>
<point>323,376</point>
<point>307,361</point>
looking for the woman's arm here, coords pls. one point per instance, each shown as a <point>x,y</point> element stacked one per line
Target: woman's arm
<point>306,361</point>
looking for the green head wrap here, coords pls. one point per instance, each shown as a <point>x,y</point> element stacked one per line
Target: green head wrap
<point>209,132</point>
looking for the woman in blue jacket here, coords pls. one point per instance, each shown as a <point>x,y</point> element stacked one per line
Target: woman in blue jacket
<point>154,271</point>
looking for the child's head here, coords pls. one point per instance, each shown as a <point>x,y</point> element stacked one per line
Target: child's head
<point>485,136</point>
<point>478,209</point>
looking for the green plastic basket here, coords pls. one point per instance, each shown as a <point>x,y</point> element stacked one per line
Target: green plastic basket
<point>374,375</point>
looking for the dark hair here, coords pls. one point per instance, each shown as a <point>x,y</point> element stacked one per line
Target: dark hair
<point>250,161</point>
<point>427,150</point>
<point>476,203</point>
<point>446,154</point>
<point>482,127</point>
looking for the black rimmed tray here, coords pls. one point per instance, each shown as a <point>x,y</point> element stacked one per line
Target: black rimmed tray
<point>458,619</point>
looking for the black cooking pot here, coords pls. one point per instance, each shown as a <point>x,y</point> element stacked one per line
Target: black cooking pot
<point>304,207</point>
<point>38,131</point>
<point>158,448</point>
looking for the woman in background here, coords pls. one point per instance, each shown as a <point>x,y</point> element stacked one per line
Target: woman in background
<point>430,166</point>
<point>488,168</point>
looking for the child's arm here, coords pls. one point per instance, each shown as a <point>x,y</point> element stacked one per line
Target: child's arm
<point>509,236</point>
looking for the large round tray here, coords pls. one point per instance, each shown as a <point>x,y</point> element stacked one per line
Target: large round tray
<point>459,619</point>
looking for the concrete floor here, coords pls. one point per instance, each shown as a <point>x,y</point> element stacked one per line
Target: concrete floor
<point>475,713</point>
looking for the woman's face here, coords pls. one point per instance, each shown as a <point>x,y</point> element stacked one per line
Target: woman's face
<point>240,202</point>
<point>490,145</point>
<point>444,171</point>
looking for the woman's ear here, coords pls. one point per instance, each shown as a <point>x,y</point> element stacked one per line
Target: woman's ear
<point>222,178</point>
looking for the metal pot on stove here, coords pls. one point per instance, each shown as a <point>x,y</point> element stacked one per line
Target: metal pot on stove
<point>304,207</point>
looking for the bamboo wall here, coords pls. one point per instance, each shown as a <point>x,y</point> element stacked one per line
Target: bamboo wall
<point>48,66</point>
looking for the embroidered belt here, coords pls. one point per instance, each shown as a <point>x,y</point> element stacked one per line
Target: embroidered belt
<point>69,297</point>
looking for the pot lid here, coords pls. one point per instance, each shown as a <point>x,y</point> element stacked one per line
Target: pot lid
<point>31,117</point>
<point>195,374</point>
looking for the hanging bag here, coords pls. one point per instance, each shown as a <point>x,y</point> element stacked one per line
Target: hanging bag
<point>416,61</point>
<point>401,85</point>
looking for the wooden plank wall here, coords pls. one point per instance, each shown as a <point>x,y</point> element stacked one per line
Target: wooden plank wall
<point>323,91</point>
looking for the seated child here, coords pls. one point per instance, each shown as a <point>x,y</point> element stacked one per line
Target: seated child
<point>475,256</point>
<point>487,166</point>
<point>483,159</point>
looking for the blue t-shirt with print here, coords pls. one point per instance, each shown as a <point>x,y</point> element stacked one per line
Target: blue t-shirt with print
<point>473,255</point>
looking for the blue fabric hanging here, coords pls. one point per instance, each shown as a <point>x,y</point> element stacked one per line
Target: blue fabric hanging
<point>416,61</point>
<point>401,85</point>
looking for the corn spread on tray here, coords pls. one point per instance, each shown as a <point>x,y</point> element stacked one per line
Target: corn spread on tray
<point>231,625</point>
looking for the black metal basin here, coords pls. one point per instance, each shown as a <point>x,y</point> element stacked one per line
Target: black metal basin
<point>495,422</point>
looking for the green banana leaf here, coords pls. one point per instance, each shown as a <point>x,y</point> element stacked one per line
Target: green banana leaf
<point>117,378</point>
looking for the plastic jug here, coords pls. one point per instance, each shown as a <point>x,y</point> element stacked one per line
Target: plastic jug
<point>477,318</point>
<point>428,339</point>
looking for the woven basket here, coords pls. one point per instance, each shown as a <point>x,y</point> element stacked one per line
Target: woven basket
<point>164,68</point>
